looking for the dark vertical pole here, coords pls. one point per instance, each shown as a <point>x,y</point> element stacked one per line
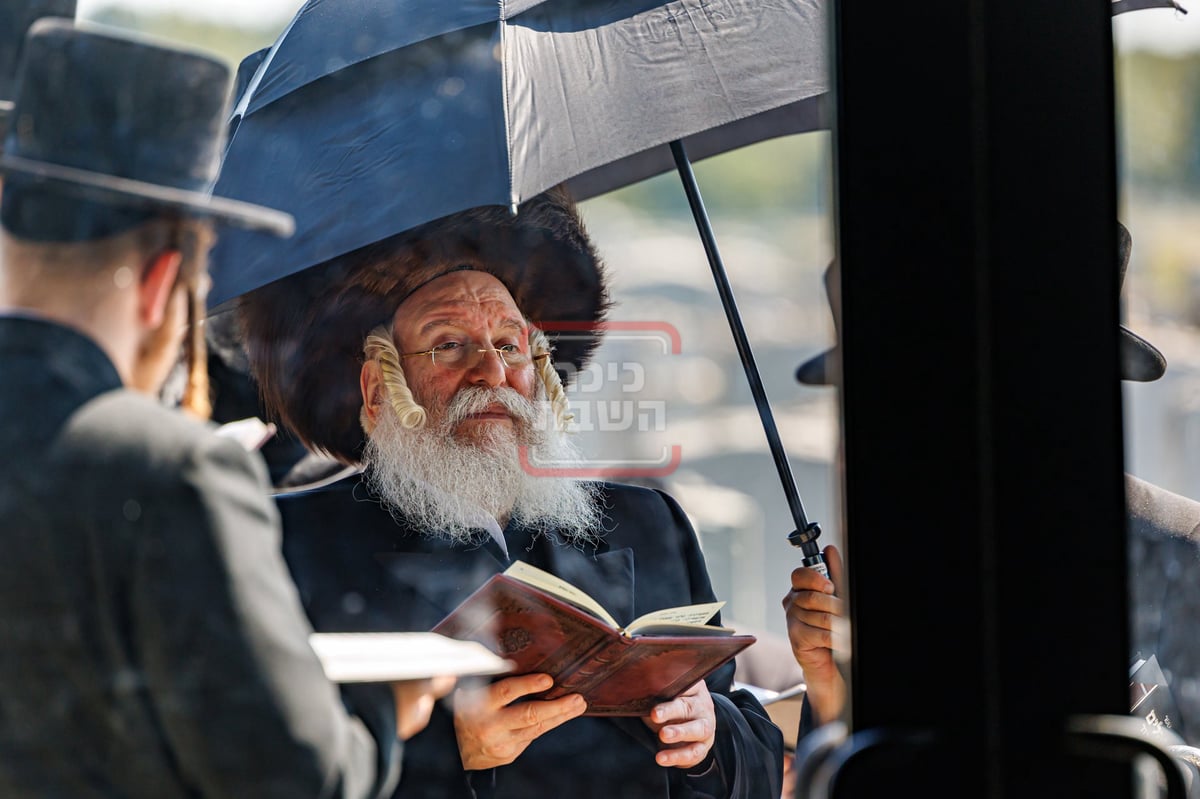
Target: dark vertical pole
<point>1053,400</point>
<point>907,188</point>
<point>981,407</point>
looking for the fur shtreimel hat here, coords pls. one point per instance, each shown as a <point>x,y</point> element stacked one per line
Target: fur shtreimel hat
<point>1140,360</point>
<point>819,370</point>
<point>304,333</point>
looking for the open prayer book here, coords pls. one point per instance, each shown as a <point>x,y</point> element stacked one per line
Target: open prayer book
<point>394,657</point>
<point>544,624</point>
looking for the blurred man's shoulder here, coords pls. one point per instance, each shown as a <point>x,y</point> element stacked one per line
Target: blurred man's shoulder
<point>128,419</point>
<point>1153,510</point>
<point>124,430</point>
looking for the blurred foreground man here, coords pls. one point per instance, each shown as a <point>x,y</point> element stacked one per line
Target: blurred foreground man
<point>153,643</point>
<point>422,357</point>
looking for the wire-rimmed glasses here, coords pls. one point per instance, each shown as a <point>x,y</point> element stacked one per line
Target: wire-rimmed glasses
<point>467,355</point>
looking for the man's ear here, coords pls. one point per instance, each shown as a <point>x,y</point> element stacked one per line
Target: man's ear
<point>157,286</point>
<point>370,382</point>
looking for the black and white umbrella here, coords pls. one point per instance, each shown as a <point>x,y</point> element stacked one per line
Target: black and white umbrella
<point>370,117</point>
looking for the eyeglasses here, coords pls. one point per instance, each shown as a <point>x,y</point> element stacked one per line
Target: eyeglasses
<point>459,355</point>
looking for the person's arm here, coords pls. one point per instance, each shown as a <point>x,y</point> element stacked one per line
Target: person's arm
<point>812,607</point>
<point>244,705</point>
<point>493,728</point>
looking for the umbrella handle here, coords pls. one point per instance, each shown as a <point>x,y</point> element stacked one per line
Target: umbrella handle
<point>806,540</point>
<point>806,533</point>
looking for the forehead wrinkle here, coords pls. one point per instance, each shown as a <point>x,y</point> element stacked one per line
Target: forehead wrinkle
<point>461,299</point>
<point>463,321</point>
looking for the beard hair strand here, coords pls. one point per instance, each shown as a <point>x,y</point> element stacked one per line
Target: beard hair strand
<point>447,487</point>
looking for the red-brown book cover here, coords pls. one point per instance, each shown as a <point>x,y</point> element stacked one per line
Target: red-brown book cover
<point>618,674</point>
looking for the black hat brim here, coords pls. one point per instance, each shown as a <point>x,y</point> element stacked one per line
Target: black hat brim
<point>816,371</point>
<point>99,187</point>
<point>1140,360</point>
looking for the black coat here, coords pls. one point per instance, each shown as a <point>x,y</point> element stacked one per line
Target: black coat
<point>151,642</point>
<point>358,569</point>
<point>1164,549</point>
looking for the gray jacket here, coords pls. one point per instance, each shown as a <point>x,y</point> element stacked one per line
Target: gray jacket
<point>151,641</point>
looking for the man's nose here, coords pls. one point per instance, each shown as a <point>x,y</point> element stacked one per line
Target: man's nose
<point>490,371</point>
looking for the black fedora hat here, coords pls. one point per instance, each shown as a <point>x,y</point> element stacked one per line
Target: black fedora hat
<point>15,18</point>
<point>1140,360</point>
<point>819,370</point>
<point>108,130</point>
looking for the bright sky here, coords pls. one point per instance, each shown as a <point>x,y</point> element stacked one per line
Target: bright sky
<point>1160,29</point>
<point>1150,29</point>
<point>235,12</point>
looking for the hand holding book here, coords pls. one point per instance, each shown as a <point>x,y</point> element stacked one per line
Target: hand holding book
<point>494,724</point>
<point>545,625</point>
<point>686,727</point>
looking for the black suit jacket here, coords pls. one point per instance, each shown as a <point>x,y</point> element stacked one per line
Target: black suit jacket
<point>151,642</point>
<point>359,569</point>
<point>1164,549</point>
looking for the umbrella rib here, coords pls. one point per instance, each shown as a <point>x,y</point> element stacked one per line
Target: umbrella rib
<point>243,102</point>
<point>513,199</point>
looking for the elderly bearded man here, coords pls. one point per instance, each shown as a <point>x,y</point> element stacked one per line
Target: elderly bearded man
<point>427,341</point>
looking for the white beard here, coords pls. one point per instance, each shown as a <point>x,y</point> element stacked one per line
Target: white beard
<point>443,485</point>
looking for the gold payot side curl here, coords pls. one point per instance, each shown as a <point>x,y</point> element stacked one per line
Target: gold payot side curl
<point>197,399</point>
<point>539,345</point>
<point>380,348</point>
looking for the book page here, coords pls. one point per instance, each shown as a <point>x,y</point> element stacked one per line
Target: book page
<point>391,657</point>
<point>251,433</point>
<point>532,575</point>
<point>686,620</point>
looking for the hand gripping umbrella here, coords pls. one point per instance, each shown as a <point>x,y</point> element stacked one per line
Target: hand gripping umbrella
<point>370,117</point>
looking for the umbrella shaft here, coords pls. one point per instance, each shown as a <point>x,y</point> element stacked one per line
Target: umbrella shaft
<point>807,542</point>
